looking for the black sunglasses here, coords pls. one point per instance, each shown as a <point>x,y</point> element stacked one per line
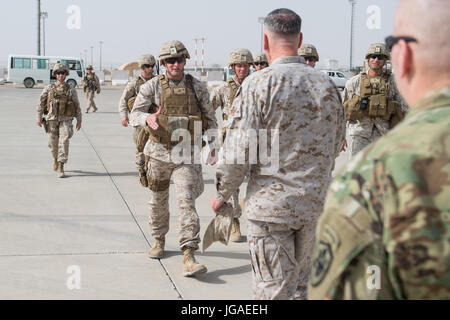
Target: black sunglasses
<point>260,63</point>
<point>173,60</point>
<point>60,72</point>
<point>391,40</point>
<point>310,58</point>
<point>377,56</point>
<point>148,65</point>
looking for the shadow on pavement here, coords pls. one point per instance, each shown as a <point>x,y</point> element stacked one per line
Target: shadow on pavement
<point>214,276</point>
<point>80,173</point>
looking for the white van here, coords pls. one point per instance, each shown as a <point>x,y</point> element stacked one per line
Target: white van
<point>32,69</point>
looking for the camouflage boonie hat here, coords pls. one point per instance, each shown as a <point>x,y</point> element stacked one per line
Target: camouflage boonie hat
<point>308,50</point>
<point>240,56</point>
<point>173,49</point>
<point>378,48</point>
<point>60,67</point>
<point>146,59</point>
<point>261,58</point>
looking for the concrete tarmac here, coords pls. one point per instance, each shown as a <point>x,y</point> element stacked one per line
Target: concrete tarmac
<point>86,236</point>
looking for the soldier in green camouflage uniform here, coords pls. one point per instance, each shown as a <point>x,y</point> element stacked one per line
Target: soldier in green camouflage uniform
<point>384,233</point>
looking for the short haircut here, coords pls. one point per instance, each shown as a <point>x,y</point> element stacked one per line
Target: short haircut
<point>283,21</point>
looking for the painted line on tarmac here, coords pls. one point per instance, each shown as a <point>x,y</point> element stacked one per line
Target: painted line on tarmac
<point>131,212</point>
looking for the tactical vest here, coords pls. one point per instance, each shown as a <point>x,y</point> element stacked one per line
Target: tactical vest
<point>234,87</point>
<point>60,98</point>
<point>180,110</point>
<point>373,100</point>
<point>137,87</point>
<point>91,84</point>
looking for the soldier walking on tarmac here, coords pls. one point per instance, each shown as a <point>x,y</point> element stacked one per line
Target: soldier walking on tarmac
<point>58,105</point>
<point>301,110</point>
<point>182,103</point>
<point>146,63</point>
<point>222,96</point>
<point>91,84</point>
<point>371,101</point>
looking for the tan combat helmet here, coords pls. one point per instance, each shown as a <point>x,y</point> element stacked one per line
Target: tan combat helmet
<point>378,48</point>
<point>308,50</point>
<point>146,59</point>
<point>89,67</point>
<point>240,56</point>
<point>60,67</point>
<point>173,49</point>
<point>260,58</point>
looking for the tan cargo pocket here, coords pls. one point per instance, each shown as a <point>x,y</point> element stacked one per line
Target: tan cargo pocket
<point>70,109</point>
<point>265,259</point>
<point>130,103</point>
<point>377,106</point>
<point>352,109</point>
<point>62,107</point>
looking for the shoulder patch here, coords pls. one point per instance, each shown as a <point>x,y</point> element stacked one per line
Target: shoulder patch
<point>321,262</point>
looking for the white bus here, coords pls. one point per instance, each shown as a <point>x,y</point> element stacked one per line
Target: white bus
<point>31,69</point>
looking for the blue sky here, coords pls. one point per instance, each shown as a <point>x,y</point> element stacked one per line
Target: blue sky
<point>130,28</point>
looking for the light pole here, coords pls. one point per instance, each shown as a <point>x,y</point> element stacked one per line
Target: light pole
<point>261,20</point>
<point>100,55</point>
<point>39,27</point>
<point>352,35</point>
<point>44,16</point>
<point>92,56</point>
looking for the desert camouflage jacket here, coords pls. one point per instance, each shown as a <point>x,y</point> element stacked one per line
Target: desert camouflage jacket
<point>301,111</point>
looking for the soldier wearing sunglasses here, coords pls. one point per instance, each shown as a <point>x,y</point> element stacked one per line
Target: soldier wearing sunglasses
<point>58,105</point>
<point>260,62</point>
<point>371,101</point>
<point>182,103</point>
<point>309,53</point>
<point>146,63</point>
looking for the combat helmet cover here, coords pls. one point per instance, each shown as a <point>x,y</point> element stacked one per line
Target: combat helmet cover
<point>146,59</point>
<point>173,49</point>
<point>378,48</point>
<point>260,58</point>
<point>240,56</point>
<point>60,67</point>
<point>89,67</point>
<point>308,50</point>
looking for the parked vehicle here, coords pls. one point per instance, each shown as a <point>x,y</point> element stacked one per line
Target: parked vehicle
<point>338,77</point>
<point>32,69</point>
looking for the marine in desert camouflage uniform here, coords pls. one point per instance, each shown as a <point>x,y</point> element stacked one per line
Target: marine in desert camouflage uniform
<point>222,96</point>
<point>384,233</point>
<point>146,63</point>
<point>260,62</point>
<point>284,199</point>
<point>58,105</point>
<point>181,100</point>
<point>309,53</point>
<point>373,113</point>
<point>91,84</point>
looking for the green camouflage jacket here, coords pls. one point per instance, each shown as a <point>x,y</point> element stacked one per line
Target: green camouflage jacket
<point>384,233</point>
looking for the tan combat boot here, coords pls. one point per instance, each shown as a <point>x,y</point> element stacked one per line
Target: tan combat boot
<point>157,250</point>
<point>235,234</point>
<point>61,170</point>
<point>55,164</point>
<point>190,266</point>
